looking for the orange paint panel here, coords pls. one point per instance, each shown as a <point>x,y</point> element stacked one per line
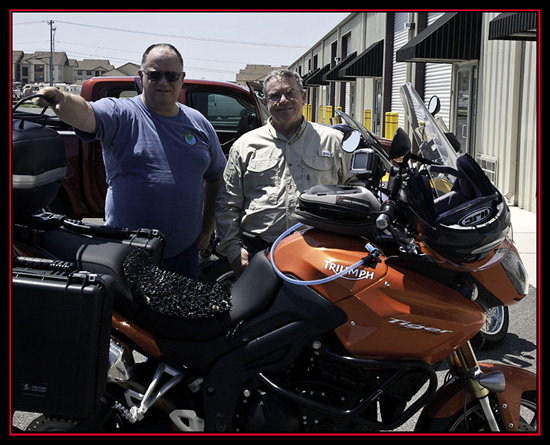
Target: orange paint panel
<point>392,313</point>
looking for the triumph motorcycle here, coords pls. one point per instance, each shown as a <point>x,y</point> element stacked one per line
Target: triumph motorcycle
<point>338,327</point>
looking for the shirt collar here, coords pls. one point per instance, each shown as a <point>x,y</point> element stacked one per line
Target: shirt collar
<point>278,135</point>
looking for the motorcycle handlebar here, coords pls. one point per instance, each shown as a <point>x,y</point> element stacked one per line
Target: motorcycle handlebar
<point>388,213</point>
<point>387,216</point>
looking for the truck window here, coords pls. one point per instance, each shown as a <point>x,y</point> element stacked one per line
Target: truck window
<point>121,92</point>
<point>229,115</point>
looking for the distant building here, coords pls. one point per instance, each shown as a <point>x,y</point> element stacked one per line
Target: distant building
<point>92,68</point>
<point>254,73</point>
<point>128,69</point>
<point>35,68</point>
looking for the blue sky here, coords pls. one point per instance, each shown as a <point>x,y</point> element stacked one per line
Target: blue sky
<point>214,46</point>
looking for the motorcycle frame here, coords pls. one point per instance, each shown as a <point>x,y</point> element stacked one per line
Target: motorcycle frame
<point>401,368</point>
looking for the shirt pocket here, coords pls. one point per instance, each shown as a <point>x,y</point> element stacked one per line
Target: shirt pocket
<point>261,181</point>
<point>318,168</point>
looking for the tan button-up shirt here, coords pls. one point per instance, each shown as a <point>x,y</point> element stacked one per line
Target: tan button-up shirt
<point>265,174</point>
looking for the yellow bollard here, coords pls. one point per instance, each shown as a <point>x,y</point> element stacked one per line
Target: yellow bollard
<point>328,114</point>
<point>395,122</point>
<point>309,112</point>
<point>391,124</point>
<point>320,117</point>
<point>304,110</point>
<point>336,119</point>
<point>367,119</point>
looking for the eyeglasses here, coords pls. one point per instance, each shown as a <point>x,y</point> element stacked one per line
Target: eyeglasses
<point>290,95</point>
<point>171,76</point>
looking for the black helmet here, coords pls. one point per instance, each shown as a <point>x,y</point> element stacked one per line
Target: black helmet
<point>465,224</point>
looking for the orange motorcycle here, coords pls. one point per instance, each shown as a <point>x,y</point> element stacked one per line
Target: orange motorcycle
<point>339,327</point>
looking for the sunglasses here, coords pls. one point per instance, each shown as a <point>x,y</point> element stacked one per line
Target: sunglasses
<point>290,95</point>
<point>171,76</point>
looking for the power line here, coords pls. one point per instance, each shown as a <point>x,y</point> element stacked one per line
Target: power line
<point>205,39</point>
<point>140,53</point>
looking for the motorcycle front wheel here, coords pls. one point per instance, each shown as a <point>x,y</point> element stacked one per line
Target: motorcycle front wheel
<point>496,326</point>
<point>472,419</point>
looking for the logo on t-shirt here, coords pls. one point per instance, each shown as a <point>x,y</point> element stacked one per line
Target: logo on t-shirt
<point>190,138</point>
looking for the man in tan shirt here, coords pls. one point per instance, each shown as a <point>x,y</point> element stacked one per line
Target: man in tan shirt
<point>269,167</point>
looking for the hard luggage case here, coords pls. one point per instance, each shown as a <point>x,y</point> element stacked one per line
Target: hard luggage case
<point>38,164</point>
<point>97,248</point>
<point>60,329</point>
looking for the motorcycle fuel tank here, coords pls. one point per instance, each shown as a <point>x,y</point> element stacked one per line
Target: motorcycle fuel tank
<point>393,313</point>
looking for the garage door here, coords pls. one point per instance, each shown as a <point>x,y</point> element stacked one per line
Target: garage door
<point>437,80</point>
<point>399,71</point>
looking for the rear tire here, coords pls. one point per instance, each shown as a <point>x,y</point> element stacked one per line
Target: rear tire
<point>47,424</point>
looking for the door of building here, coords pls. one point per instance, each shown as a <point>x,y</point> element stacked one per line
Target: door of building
<point>465,109</point>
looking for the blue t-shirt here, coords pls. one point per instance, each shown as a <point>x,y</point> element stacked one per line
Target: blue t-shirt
<point>155,168</point>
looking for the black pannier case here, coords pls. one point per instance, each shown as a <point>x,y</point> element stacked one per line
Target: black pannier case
<point>99,249</point>
<point>38,164</point>
<point>60,327</point>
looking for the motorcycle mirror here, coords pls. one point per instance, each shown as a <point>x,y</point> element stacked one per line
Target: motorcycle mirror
<point>434,105</point>
<point>351,141</point>
<point>400,144</point>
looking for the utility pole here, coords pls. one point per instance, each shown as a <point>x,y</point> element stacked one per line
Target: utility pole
<point>52,52</point>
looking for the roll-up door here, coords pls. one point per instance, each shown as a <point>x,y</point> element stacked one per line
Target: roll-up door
<point>399,71</point>
<point>438,79</point>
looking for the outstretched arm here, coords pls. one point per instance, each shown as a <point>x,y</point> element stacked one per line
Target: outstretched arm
<point>70,108</point>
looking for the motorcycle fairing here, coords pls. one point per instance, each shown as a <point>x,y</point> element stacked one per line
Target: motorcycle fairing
<point>387,306</point>
<point>312,254</point>
<point>449,399</point>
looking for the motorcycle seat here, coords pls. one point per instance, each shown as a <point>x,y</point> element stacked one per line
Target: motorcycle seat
<point>251,293</point>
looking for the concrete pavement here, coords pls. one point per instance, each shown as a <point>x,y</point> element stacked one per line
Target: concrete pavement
<point>524,224</point>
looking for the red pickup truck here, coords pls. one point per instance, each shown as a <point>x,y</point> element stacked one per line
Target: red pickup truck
<point>231,109</point>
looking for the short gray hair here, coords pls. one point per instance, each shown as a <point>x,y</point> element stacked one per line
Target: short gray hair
<point>281,72</point>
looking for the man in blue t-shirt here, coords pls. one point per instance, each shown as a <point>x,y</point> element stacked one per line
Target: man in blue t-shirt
<point>163,159</point>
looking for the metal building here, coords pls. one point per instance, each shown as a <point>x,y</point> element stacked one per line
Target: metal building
<point>483,66</point>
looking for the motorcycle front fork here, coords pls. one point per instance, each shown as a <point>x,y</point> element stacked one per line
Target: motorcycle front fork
<point>480,383</point>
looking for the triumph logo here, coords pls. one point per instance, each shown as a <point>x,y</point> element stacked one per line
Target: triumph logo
<point>355,274</point>
<point>475,217</point>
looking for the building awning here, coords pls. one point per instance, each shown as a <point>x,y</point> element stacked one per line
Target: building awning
<point>514,26</point>
<point>306,76</point>
<point>334,74</point>
<point>370,63</point>
<point>454,37</point>
<point>316,79</point>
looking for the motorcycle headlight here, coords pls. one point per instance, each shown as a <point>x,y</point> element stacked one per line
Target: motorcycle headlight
<point>516,272</point>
